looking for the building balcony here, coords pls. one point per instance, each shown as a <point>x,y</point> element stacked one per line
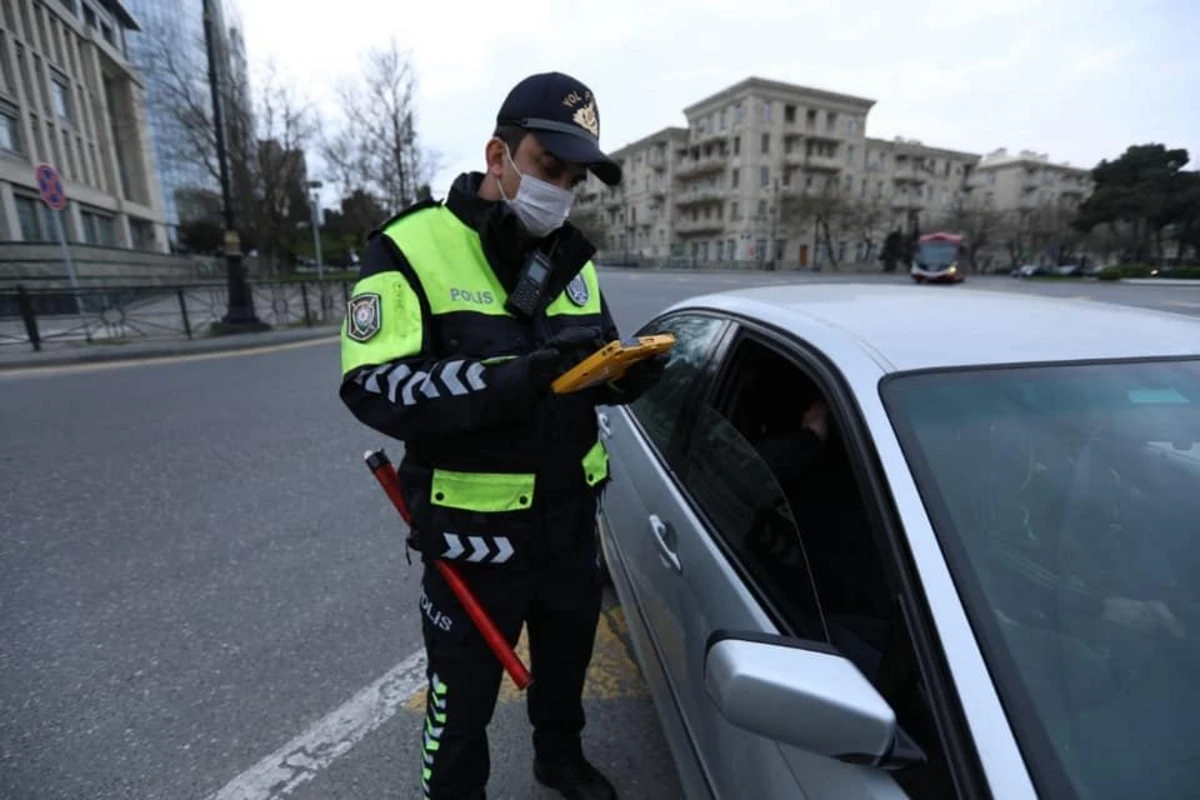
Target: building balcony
<point>699,226</point>
<point>820,163</point>
<point>705,165</point>
<point>708,194</point>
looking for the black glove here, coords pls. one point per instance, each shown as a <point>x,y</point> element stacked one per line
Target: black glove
<point>561,352</point>
<point>639,378</point>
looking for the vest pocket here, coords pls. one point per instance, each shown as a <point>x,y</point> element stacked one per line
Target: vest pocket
<point>482,492</point>
<point>595,464</point>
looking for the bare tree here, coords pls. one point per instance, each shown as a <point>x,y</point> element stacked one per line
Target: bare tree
<point>825,208</point>
<point>286,128</point>
<point>378,149</point>
<point>979,225</point>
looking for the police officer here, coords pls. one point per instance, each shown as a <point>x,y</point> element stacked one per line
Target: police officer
<point>464,313</point>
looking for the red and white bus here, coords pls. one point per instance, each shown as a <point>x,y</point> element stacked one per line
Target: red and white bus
<point>939,258</point>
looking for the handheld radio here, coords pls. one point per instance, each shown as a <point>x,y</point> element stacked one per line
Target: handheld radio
<point>531,284</point>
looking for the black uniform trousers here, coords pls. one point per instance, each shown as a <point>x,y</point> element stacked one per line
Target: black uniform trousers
<point>556,594</point>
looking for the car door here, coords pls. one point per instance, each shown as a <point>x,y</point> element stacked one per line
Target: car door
<point>643,443</point>
<point>723,495</point>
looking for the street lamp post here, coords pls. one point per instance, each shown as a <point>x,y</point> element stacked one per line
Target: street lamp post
<point>240,316</point>
<point>316,226</point>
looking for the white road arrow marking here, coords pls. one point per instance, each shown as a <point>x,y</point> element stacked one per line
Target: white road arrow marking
<point>454,546</point>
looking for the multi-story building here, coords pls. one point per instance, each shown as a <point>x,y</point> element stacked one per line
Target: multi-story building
<point>771,171</point>
<point>1026,182</point>
<point>170,52</point>
<point>637,215</point>
<point>70,97</point>
<point>914,184</point>
<point>753,151</point>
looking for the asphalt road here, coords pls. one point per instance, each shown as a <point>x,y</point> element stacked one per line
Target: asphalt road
<point>196,571</point>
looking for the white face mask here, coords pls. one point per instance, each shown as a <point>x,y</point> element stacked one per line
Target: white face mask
<point>542,207</point>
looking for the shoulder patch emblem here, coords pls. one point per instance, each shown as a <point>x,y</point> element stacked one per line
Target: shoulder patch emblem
<point>364,316</point>
<point>577,291</point>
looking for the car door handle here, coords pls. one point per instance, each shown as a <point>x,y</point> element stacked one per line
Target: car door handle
<point>662,536</point>
<point>605,425</point>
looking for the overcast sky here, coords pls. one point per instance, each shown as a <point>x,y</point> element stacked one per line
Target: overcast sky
<point>1078,79</point>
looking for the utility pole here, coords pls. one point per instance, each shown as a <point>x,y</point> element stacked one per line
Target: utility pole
<point>239,317</point>
<point>774,225</point>
<point>316,226</point>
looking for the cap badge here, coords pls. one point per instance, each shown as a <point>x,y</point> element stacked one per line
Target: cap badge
<point>585,117</point>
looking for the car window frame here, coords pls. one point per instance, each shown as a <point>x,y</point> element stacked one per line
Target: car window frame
<point>958,746</point>
<point>670,461</point>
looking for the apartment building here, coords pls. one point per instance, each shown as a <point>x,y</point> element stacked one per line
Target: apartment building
<point>637,215</point>
<point>1027,181</point>
<point>914,184</point>
<point>69,97</point>
<point>752,148</point>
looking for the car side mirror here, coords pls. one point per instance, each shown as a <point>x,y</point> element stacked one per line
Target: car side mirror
<point>799,693</point>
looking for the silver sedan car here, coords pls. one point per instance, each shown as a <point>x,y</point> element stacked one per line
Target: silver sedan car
<point>878,545</point>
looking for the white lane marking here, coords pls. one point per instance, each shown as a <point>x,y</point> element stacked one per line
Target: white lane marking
<point>299,761</point>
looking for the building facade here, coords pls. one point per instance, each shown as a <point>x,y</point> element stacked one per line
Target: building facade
<point>170,52</point>
<point>1027,181</point>
<point>70,97</point>
<point>772,171</point>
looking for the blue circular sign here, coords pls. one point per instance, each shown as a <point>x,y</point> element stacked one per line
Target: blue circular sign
<point>51,187</point>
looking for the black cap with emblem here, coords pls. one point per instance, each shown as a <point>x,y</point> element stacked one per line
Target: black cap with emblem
<point>561,112</point>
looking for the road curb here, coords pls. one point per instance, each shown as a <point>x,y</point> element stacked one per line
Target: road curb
<point>1160,282</point>
<point>101,354</point>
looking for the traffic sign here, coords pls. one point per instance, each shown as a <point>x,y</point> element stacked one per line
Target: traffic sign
<point>51,187</point>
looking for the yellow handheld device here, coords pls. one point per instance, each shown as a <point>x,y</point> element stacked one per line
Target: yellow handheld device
<point>611,361</point>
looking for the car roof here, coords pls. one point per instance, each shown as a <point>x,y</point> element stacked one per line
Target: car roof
<point>915,327</point>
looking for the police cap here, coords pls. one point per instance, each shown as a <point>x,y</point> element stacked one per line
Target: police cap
<point>562,113</point>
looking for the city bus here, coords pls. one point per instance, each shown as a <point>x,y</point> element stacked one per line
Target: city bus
<point>939,258</point>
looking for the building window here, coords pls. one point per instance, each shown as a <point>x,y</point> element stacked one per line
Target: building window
<point>811,119</point>
<point>735,211</point>
<point>831,122</point>
<point>766,142</point>
<point>733,178</point>
<point>737,145</point>
<point>10,131</point>
<point>738,113</point>
<point>62,98</point>
<point>767,111</point>
<point>720,250</point>
<point>852,125</point>
<point>99,229</point>
<point>762,209</point>
<point>850,155</point>
<point>35,219</point>
<point>764,176</point>
<point>789,114</point>
<point>849,183</point>
<point>724,118</point>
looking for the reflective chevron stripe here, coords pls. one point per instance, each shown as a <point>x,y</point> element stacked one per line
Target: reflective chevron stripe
<point>435,725</point>
<point>393,379</point>
<point>483,549</point>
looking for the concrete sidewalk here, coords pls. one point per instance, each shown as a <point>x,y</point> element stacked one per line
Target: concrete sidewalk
<point>15,357</point>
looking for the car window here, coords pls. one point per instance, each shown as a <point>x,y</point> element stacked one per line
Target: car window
<point>786,502</point>
<point>1066,500</point>
<point>748,509</point>
<point>659,409</point>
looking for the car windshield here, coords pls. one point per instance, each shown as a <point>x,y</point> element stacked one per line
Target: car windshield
<point>937,254</point>
<point>1067,501</point>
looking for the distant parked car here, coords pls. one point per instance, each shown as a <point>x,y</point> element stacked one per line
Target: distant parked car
<point>985,583</point>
